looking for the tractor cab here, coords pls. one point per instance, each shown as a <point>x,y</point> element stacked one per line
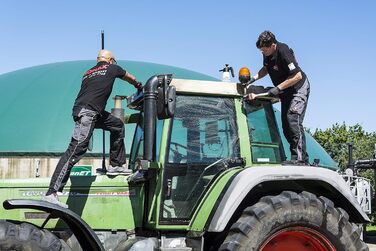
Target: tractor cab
<point>196,140</point>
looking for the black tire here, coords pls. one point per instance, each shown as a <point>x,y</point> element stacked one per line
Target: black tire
<point>275,214</point>
<point>27,237</point>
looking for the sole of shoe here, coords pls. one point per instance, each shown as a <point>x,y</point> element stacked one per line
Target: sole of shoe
<point>58,203</point>
<point>118,173</point>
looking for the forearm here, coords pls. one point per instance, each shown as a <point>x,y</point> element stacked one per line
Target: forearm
<point>130,79</point>
<point>261,73</point>
<point>290,81</point>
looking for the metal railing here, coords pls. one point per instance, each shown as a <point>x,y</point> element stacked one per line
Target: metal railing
<point>361,188</point>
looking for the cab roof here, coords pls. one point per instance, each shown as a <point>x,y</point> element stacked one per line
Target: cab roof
<point>205,87</point>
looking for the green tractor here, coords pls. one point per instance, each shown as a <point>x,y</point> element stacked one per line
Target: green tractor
<point>207,175</point>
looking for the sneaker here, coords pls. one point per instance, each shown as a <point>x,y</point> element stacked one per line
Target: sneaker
<point>138,177</point>
<point>117,170</point>
<point>52,198</point>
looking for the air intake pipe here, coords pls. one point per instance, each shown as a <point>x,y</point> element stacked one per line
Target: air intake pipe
<point>150,115</point>
<point>159,102</point>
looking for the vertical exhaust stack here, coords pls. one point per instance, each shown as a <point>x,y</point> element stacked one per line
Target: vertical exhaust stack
<point>150,116</point>
<point>159,102</point>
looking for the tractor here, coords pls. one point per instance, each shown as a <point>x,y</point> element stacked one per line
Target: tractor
<point>207,175</point>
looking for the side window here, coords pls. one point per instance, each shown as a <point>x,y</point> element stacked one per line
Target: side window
<point>137,150</point>
<point>266,144</point>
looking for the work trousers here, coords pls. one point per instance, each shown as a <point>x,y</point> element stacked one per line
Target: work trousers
<point>293,108</point>
<point>85,122</point>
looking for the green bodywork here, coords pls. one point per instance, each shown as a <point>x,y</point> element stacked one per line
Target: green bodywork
<point>103,202</point>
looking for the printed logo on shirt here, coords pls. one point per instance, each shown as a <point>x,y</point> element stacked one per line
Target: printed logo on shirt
<point>291,66</point>
<point>100,70</point>
<point>275,68</point>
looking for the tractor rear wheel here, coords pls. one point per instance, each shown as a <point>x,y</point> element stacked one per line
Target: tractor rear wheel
<point>294,222</point>
<point>24,236</point>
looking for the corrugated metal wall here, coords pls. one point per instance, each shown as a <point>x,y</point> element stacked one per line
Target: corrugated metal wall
<point>38,166</point>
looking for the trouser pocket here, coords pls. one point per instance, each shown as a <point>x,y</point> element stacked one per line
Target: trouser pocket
<point>297,105</point>
<point>84,123</point>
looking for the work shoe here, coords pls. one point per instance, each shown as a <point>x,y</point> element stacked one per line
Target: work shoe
<point>52,198</point>
<point>293,163</point>
<point>117,170</point>
<point>138,177</point>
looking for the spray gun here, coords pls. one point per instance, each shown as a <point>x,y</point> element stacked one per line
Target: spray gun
<point>226,73</point>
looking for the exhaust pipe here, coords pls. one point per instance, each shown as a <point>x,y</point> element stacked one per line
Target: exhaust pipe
<point>150,115</point>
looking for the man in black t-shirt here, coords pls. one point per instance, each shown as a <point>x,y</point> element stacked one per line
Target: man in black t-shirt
<point>88,113</point>
<point>291,85</point>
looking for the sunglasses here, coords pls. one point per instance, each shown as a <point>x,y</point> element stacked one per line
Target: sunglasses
<point>113,61</point>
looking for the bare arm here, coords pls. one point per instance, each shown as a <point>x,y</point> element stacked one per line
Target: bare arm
<point>261,73</point>
<point>290,81</point>
<point>130,79</point>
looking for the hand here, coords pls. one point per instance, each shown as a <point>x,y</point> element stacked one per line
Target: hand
<point>251,96</point>
<point>252,80</point>
<point>274,92</point>
<point>138,86</point>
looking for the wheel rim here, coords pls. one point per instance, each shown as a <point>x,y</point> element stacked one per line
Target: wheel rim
<point>297,239</point>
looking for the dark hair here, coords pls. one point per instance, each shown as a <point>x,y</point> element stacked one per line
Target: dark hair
<point>266,39</point>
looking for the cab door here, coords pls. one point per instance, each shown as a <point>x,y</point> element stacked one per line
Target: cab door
<point>202,134</point>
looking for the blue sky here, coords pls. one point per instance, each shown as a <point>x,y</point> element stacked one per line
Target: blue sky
<point>333,42</point>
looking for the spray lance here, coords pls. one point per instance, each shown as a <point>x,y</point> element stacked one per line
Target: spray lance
<point>226,73</point>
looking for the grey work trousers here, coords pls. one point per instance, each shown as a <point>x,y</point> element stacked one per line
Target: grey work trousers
<point>293,108</point>
<point>85,122</point>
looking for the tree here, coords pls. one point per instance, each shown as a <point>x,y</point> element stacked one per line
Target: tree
<point>335,141</point>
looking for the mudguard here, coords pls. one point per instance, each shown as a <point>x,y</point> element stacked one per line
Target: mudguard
<point>249,178</point>
<point>87,238</point>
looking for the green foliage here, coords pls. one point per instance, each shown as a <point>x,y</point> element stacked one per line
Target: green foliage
<point>335,141</point>
<point>371,230</point>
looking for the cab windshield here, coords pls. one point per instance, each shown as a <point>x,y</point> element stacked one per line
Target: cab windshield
<point>203,133</point>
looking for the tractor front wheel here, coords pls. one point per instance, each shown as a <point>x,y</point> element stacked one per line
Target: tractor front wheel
<point>294,222</point>
<point>24,236</point>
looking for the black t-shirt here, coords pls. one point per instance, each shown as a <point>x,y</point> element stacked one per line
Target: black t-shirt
<point>281,65</point>
<point>97,86</point>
